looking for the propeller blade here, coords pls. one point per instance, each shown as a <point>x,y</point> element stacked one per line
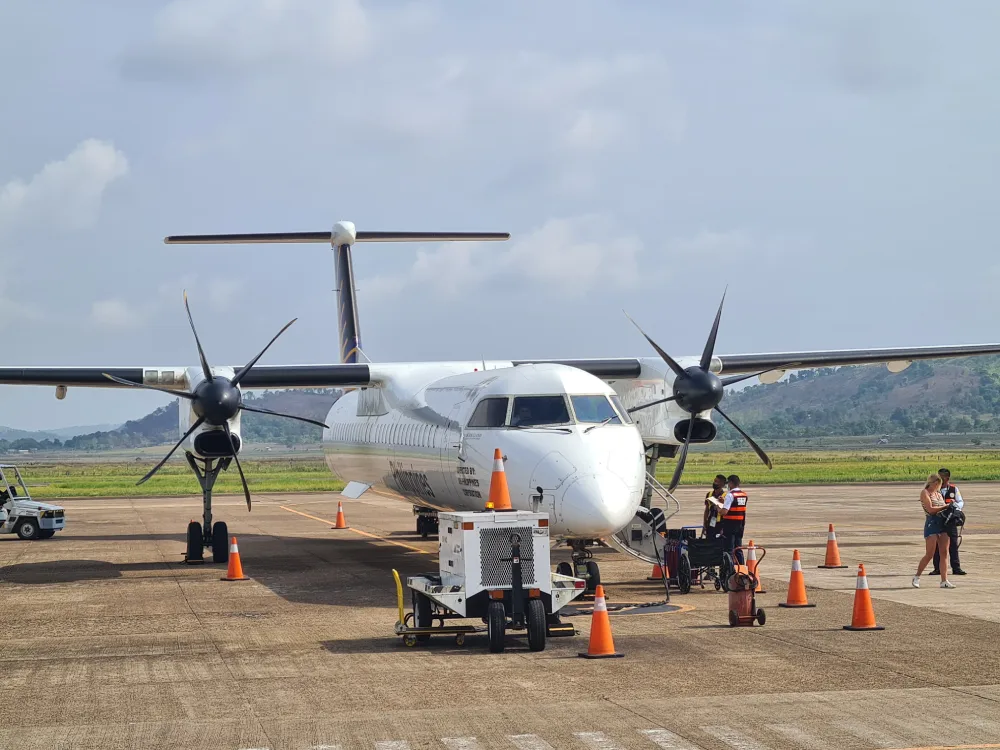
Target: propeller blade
<point>678,370</point>
<point>740,378</point>
<point>201,352</point>
<point>706,356</point>
<point>651,403</point>
<point>757,449</point>
<point>122,381</point>
<point>186,435</point>
<point>239,468</point>
<point>239,376</point>
<point>259,410</point>
<point>678,470</point>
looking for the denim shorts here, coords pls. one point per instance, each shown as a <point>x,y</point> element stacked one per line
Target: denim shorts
<point>933,525</point>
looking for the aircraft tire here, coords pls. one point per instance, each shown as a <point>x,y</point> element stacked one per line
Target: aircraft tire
<point>536,625</point>
<point>220,542</point>
<point>594,574</point>
<point>564,569</point>
<point>195,542</point>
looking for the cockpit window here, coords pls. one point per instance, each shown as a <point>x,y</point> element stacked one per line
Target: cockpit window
<point>533,411</point>
<point>594,409</point>
<point>621,410</point>
<point>490,412</point>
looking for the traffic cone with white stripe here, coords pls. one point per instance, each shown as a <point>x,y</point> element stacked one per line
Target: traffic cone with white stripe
<point>341,522</point>
<point>499,493</point>
<point>832,551</point>
<point>235,571</point>
<point>602,645</point>
<point>796,585</point>
<point>864,615</point>
<point>752,567</point>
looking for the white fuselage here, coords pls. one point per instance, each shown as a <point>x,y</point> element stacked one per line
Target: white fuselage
<point>415,438</point>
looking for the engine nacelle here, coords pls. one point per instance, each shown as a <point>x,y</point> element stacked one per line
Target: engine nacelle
<point>208,441</point>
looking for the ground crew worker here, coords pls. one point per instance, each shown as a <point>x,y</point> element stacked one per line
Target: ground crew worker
<point>951,495</point>
<point>734,516</point>
<point>713,512</point>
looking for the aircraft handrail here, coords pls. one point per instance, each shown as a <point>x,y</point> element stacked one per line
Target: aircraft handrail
<point>671,506</point>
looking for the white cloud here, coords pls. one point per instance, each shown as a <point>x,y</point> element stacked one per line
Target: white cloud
<point>115,313</point>
<point>196,38</point>
<point>568,257</point>
<point>708,242</point>
<point>592,130</point>
<point>67,192</point>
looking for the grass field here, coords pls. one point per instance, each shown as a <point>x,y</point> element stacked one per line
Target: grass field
<point>102,478</point>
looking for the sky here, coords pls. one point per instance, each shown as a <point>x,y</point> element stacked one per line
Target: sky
<point>836,165</point>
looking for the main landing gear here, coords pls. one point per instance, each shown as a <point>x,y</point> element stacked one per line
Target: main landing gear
<point>427,521</point>
<point>583,565</point>
<point>206,535</point>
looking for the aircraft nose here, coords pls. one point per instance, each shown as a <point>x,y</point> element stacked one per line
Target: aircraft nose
<point>598,505</point>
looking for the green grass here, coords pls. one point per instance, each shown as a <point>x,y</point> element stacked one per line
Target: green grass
<point>117,479</point>
<point>834,467</point>
<point>100,477</point>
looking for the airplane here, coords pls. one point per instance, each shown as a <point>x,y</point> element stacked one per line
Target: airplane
<point>425,432</point>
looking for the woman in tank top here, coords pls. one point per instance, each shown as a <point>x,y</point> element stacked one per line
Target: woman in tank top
<point>935,534</point>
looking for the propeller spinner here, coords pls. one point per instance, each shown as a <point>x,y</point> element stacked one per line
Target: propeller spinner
<point>697,389</point>
<point>215,401</point>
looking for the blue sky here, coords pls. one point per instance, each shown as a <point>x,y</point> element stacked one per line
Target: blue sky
<point>835,164</point>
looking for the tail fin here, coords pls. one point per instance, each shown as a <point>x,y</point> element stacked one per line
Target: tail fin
<point>341,238</point>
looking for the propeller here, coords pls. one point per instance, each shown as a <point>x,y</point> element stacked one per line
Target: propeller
<point>215,401</point>
<point>697,389</point>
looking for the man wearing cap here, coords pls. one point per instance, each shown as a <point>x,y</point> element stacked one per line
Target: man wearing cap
<point>951,495</point>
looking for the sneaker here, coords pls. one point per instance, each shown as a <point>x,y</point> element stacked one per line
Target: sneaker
<point>958,572</point>
<point>916,582</point>
<point>947,585</point>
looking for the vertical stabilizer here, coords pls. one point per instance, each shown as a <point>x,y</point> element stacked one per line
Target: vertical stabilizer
<point>350,331</point>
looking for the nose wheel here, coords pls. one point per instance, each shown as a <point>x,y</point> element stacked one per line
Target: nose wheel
<point>207,535</point>
<point>584,565</point>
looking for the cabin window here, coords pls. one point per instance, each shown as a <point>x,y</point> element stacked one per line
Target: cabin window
<point>594,409</point>
<point>490,412</point>
<point>533,411</point>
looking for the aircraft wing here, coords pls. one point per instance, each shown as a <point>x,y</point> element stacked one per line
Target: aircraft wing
<point>626,368</point>
<point>261,376</point>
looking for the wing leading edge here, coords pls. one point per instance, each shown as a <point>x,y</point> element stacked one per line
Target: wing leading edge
<point>261,376</point>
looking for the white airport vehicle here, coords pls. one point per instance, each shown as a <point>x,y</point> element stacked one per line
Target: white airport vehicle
<point>493,566</point>
<point>21,515</point>
<point>583,436</point>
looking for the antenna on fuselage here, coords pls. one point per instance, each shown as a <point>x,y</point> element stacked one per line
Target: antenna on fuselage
<point>341,237</point>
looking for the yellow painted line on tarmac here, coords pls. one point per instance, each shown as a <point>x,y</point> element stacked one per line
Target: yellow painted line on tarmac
<point>358,531</point>
<point>978,746</point>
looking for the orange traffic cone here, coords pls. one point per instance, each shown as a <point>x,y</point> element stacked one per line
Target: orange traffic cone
<point>602,645</point>
<point>341,522</point>
<point>832,551</point>
<point>235,572</point>
<point>499,494</point>
<point>752,567</point>
<point>659,573</point>
<point>796,585</point>
<point>864,615</point>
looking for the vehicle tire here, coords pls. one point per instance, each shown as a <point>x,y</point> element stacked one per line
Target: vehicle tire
<point>725,571</point>
<point>761,617</point>
<point>593,575</point>
<point>564,569</point>
<point>536,625</point>
<point>195,542</point>
<point>718,584</point>
<point>409,641</point>
<point>496,625</point>
<point>421,614</point>
<point>684,575</point>
<point>734,619</point>
<point>46,533</point>
<point>220,542</point>
<point>28,528</point>
<point>422,527</point>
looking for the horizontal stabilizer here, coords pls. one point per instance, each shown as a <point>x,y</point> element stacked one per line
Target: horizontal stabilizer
<point>327,237</point>
<point>354,490</point>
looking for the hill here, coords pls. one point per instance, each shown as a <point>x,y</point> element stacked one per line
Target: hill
<point>161,425</point>
<point>959,395</point>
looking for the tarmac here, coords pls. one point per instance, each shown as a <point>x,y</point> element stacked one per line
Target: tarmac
<point>111,642</point>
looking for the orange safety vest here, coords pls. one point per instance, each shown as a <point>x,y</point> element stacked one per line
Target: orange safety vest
<point>737,512</point>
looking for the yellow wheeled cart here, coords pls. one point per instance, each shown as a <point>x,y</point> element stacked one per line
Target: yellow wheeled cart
<point>412,635</point>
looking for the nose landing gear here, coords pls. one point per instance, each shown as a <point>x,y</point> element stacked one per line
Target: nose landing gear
<point>207,535</point>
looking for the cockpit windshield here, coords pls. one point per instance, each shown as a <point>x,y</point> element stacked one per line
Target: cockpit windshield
<point>594,409</point>
<point>534,411</point>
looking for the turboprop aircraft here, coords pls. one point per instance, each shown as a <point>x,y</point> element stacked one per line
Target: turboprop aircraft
<point>425,432</point>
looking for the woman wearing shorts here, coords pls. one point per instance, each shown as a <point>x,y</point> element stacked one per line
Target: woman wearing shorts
<point>935,534</point>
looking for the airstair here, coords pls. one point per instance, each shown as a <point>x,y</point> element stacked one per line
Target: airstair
<point>642,537</point>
